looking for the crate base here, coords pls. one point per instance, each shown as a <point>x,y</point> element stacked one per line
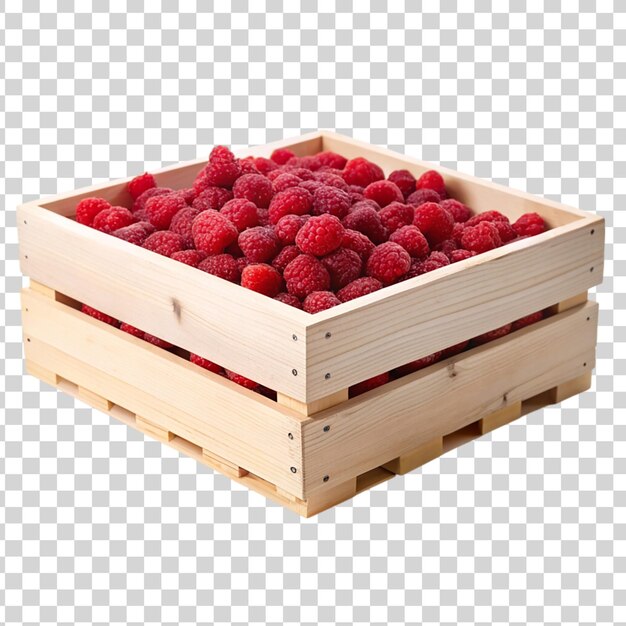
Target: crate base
<point>341,492</point>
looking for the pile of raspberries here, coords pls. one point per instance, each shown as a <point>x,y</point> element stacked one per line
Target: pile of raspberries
<point>310,231</point>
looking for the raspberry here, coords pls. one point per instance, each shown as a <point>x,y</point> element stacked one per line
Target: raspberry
<point>242,262</point>
<point>140,203</point>
<point>356,197</point>
<point>369,384</point>
<point>457,232</point>
<point>487,216</point>
<point>132,330</point>
<point>492,335</point>
<point>212,198</point>
<point>432,180</point>
<point>282,155</point>
<point>412,240</point>
<point>139,184</point>
<point>289,299</point>
<point>303,173</point>
<point>284,257</point>
<point>306,274</point>
<point>421,196</point>
<point>155,341</point>
<point>141,215</point>
<point>332,180</point>
<point>261,278</point>
<point>331,200</point>
<point>264,166</point>
<point>181,224</point>
<point>455,349</point>
<point>221,153</point>
<point>308,162</point>
<point>388,262</point>
<point>481,237</point>
<point>460,255</point>
<point>88,208</point>
<point>254,187</point>
<point>435,261</point>
<point>420,364</point>
<point>434,221</point>
<point>459,211</point>
<point>241,212</point>
<point>189,257</point>
<point>505,230</point>
<point>311,185</point>
<point>331,159</point>
<point>217,173</point>
<point>242,380</point>
<point>212,232</point>
<point>205,363</point>
<point>263,217</point>
<point>383,192</point>
<point>359,287</point>
<point>396,215</point>
<point>447,246</point>
<point>529,224</point>
<point>362,172</point>
<point>354,240</point>
<point>161,209</point>
<point>344,266</point>
<point>320,235</point>
<point>113,218</point>
<point>404,180</point>
<point>285,181</point>
<point>288,226</point>
<point>259,244</point>
<point>320,301</point>
<point>164,242</point>
<point>365,202</point>
<point>292,201</point>
<point>527,320</point>
<point>221,265</point>
<point>189,194</point>
<point>366,220</point>
<point>356,189</point>
<point>99,315</point>
<point>247,166</point>
<point>135,233</point>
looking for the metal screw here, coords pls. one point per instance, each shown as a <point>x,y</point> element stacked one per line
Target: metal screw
<point>588,318</point>
<point>294,337</point>
<point>593,230</point>
<point>325,479</point>
<point>25,256</point>
<point>328,335</point>
<point>293,470</point>
<point>584,364</point>
<point>290,435</point>
<point>294,372</point>
<point>28,339</point>
<point>326,429</point>
<point>25,222</point>
<point>591,269</point>
<point>327,375</point>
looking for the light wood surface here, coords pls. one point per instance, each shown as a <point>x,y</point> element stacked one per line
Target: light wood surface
<point>502,416</point>
<point>417,457</point>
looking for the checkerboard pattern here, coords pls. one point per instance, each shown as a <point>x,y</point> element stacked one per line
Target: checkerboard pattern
<point>100,525</point>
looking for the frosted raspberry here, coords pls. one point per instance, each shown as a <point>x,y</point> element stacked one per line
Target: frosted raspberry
<point>359,287</point>
<point>360,243</point>
<point>242,262</point>
<point>156,341</point>
<point>303,173</point>
<point>308,162</point>
<point>529,224</point>
<point>135,233</point>
<point>458,210</point>
<point>284,257</point>
<point>320,235</point>
<point>356,197</point>
<point>292,201</point>
<point>241,212</point>
<point>383,192</point>
<point>218,172</point>
<point>435,261</point>
<point>487,216</point>
<point>332,180</point>
<point>205,363</point>
<point>306,274</point>
<point>331,200</point>
<point>181,224</point>
<point>189,257</point>
<point>140,203</point>
<point>259,244</point>
<point>221,265</point>
<point>139,184</point>
<point>480,238</point>
<point>527,320</point>
<point>311,185</point>
<point>242,381</point>
<point>356,189</point>
<point>388,263</point>
<point>132,330</point>
<point>505,230</point>
<point>289,299</point>
<point>366,220</point>
<point>434,221</point>
<point>367,203</point>
<point>362,172</point>
<point>113,218</point>
<point>447,246</point>
<point>396,215</point>
<point>248,166</point>
<point>164,242</point>
<point>460,255</point>
<point>282,155</point>
<point>263,216</point>
<point>344,266</point>
<point>212,232</point>
<point>492,335</point>
<point>369,384</point>
<point>285,181</point>
<point>221,153</point>
<point>189,194</point>
<point>331,159</point>
<point>420,364</point>
<point>432,180</point>
<point>212,198</point>
<point>457,232</point>
<point>162,208</point>
<point>99,315</point>
<point>404,180</point>
<point>88,208</point>
<point>254,187</point>
<point>421,196</point>
<point>264,166</point>
<point>261,278</point>
<point>320,301</point>
<point>288,226</point>
<point>412,240</point>
<point>455,349</point>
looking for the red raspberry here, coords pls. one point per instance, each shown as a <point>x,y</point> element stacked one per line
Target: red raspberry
<point>261,278</point>
<point>331,159</point>
<point>259,244</point>
<point>457,232</point>
<point>242,262</point>
<point>460,255</point>
<point>331,200</point>
<point>367,203</point>
<point>420,364</point>
<point>486,216</point>
<point>113,218</point>
<point>308,162</point>
<point>182,222</point>
<point>320,301</point>
<point>241,212</point>
<point>303,173</point>
<point>242,381</point>
<point>212,198</point>
<point>421,196</point>
<point>356,197</point>
<point>388,263</point>
<point>435,261</point>
<point>135,233</point>
<point>366,220</point>
<point>264,166</point>
<point>189,257</point>
<point>189,194</point>
<point>344,266</point>
<point>311,185</point>
<point>164,242</point>
<point>492,335</point>
<point>306,274</point>
<point>139,184</point>
<point>481,237</point>
<point>434,221</point>
<point>446,246</point>
<point>359,287</point>
<point>205,363</point>
<point>221,153</point>
<point>212,232</point>
<point>289,299</point>
<point>432,180</point>
<point>369,384</point>
<point>155,341</point>
<point>455,349</point>
<point>459,211</point>
<point>254,187</point>
<point>320,235</point>
<point>284,181</point>
<point>282,155</point>
<point>263,217</point>
<point>161,209</point>
<point>332,180</point>
<point>221,265</point>
<point>248,166</point>
<point>217,173</point>
<point>288,226</point>
<point>529,224</point>
<point>404,180</point>
<point>292,201</point>
<point>505,230</point>
<point>527,320</point>
<point>412,240</point>
<point>99,315</point>
<point>132,330</point>
<point>88,208</point>
<point>140,203</point>
<point>396,215</point>
<point>354,240</point>
<point>284,257</point>
<point>362,172</point>
<point>356,189</point>
<point>383,192</point>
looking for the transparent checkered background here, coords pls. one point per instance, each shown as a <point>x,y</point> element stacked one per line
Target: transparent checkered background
<point>100,525</point>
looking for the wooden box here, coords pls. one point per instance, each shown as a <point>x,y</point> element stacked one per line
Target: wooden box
<point>313,447</point>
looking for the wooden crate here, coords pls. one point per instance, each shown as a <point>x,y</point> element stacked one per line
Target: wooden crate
<point>314,447</point>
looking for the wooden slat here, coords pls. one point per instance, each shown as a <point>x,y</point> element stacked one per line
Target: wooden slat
<point>569,303</point>
<point>571,387</point>
<point>154,430</point>
<point>310,408</point>
<point>416,457</point>
<point>94,399</point>
<point>502,416</point>
<point>394,419</point>
<point>39,371</point>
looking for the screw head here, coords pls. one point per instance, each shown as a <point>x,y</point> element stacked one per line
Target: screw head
<point>328,335</point>
<point>327,375</point>
<point>290,435</point>
<point>294,372</point>
<point>326,428</point>
<point>326,478</point>
<point>294,337</point>
<point>293,470</point>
